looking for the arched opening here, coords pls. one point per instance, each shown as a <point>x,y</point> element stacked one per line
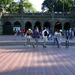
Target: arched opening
<point>67,26</point>
<point>37,24</point>
<point>17,24</point>
<point>58,25</point>
<point>7,29</point>
<point>27,26</point>
<point>46,24</point>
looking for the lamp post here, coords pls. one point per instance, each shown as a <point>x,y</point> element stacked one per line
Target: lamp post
<point>11,6</point>
<point>53,18</point>
<point>53,12</point>
<point>63,6</point>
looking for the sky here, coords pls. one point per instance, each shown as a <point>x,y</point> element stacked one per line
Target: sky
<point>36,4</point>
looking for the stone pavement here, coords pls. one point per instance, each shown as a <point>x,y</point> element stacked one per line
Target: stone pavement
<point>8,40</point>
<point>21,60</point>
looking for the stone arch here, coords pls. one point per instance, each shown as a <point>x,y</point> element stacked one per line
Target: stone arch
<point>67,26</point>
<point>28,25</point>
<point>58,25</point>
<point>7,28</point>
<point>17,24</point>
<point>46,24</point>
<point>37,24</point>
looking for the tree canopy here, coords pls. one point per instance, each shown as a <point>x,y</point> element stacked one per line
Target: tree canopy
<point>12,6</point>
<point>58,5</point>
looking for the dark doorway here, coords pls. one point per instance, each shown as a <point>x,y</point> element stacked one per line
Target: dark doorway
<point>7,29</point>
<point>58,25</point>
<point>17,24</point>
<point>37,24</point>
<point>46,24</point>
<point>67,26</point>
<point>28,25</point>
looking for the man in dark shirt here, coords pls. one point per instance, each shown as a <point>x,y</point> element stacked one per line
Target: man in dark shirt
<point>36,34</point>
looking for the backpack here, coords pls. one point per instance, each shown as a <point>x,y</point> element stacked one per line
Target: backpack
<point>45,33</point>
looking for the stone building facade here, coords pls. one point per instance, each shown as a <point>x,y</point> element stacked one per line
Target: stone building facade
<point>41,20</point>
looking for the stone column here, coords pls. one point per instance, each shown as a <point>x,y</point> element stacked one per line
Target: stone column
<point>52,26</point>
<point>63,26</point>
<point>33,25</point>
<point>22,22</point>
<point>42,26</point>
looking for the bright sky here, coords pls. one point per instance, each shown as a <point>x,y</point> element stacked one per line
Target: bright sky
<point>36,4</point>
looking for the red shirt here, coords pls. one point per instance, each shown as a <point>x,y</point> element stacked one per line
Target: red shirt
<point>22,30</point>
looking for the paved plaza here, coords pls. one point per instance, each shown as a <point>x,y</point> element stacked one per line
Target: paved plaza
<point>21,60</point>
<point>24,60</point>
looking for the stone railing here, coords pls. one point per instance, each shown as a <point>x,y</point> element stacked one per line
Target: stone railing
<point>37,14</point>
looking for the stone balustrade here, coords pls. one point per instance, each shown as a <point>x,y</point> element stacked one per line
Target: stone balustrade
<point>37,14</point>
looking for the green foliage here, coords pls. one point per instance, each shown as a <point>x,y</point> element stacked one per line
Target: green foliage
<point>58,5</point>
<point>11,6</point>
<point>28,7</point>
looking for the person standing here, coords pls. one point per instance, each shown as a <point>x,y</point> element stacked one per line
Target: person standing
<point>60,37</point>
<point>44,36</point>
<point>22,33</point>
<point>29,32</point>
<point>36,34</point>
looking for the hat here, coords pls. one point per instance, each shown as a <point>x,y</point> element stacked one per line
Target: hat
<point>29,29</point>
<point>60,30</point>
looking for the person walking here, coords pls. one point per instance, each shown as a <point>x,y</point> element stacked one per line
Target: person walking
<point>36,34</point>
<point>29,32</point>
<point>44,36</point>
<point>15,34</point>
<point>56,37</point>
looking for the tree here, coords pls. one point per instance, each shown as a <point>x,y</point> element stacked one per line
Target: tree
<point>58,5</point>
<point>28,7</point>
<point>4,3</point>
<point>19,7</point>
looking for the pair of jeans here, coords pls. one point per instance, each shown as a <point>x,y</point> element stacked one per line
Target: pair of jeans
<point>55,40</point>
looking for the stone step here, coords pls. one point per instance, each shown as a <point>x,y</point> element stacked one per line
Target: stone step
<point>11,43</point>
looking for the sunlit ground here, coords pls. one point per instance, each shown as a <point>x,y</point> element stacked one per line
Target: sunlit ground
<point>20,60</point>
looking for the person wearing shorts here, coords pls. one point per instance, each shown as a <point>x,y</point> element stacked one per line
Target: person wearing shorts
<point>44,37</point>
<point>36,34</point>
<point>29,31</point>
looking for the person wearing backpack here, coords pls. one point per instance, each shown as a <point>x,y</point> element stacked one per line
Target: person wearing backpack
<point>44,36</point>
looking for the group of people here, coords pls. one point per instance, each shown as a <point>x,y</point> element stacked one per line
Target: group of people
<point>46,35</point>
<point>70,33</point>
<point>18,32</point>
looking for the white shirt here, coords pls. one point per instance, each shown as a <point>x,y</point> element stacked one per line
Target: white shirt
<point>43,33</point>
<point>55,34</point>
